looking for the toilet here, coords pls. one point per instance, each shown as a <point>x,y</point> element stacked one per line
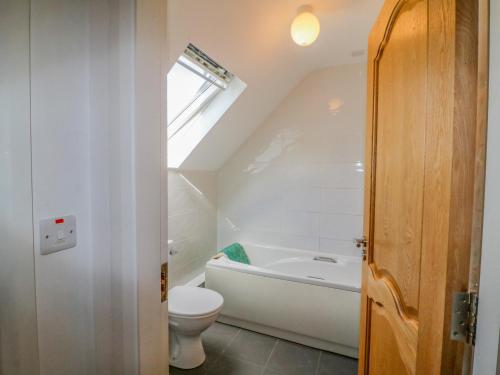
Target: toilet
<point>191,310</point>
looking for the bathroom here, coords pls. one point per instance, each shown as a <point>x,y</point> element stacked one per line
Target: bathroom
<point>249,187</point>
<point>275,165</point>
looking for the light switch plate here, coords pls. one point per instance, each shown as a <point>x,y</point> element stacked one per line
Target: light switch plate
<point>57,234</point>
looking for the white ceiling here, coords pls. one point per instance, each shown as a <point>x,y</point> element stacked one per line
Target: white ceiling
<point>251,38</point>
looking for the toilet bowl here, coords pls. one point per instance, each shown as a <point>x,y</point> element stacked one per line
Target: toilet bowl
<point>191,310</point>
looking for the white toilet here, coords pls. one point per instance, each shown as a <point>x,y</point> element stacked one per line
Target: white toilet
<point>191,310</point>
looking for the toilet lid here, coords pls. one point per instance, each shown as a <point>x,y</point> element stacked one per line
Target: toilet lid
<point>193,301</point>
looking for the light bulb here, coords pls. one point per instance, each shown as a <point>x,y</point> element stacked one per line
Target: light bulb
<point>305,27</point>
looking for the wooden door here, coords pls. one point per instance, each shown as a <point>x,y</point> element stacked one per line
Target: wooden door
<point>420,182</point>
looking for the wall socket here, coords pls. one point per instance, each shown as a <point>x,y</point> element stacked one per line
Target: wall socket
<point>57,234</point>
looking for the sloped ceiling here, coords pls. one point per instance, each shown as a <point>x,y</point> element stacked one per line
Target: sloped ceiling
<point>251,38</point>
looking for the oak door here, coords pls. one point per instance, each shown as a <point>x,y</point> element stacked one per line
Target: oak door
<point>420,183</point>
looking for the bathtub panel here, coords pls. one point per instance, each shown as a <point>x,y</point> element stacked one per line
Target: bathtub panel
<point>324,317</point>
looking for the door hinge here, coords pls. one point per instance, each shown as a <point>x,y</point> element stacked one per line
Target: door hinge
<point>464,317</point>
<point>164,282</point>
<point>361,243</point>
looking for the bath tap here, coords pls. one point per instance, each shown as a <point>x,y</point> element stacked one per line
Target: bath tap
<point>172,251</point>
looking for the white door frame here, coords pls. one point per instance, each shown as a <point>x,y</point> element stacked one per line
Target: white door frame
<point>150,47</point>
<point>486,355</point>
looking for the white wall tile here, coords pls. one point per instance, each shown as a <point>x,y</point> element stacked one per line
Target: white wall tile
<point>299,242</point>
<point>342,201</point>
<point>343,148</point>
<point>304,174</point>
<point>303,199</point>
<point>192,222</point>
<point>226,237</point>
<point>341,247</point>
<point>301,223</point>
<point>258,237</point>
<point>343,175</point>
<point>298,180</point>
<point>341,227</point>
<point>183,226</point>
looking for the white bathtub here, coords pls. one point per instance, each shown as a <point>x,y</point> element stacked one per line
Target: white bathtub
<point>300,296</point>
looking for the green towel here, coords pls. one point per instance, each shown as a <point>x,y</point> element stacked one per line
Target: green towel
<point>236,252</point>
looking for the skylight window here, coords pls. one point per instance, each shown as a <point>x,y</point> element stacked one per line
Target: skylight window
<point>199,91</point>
<point>195,80</point>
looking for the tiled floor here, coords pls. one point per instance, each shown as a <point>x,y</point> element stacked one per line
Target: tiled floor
<point>234,351</point>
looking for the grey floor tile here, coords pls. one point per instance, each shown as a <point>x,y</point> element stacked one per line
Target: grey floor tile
<point>196,371</point>
<point>271,372</point>
<point>293,359</point>
<point>251,346</point>
<point>336,364</point>
<point>233,366</point>
<point>200,370</point>
<point>231,351</point>
<point>217,337</point>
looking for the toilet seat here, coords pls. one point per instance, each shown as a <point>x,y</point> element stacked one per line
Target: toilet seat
<point>188,301</point>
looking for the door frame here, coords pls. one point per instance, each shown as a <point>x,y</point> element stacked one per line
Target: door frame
<point>487,350</point>
<point>149,106</point>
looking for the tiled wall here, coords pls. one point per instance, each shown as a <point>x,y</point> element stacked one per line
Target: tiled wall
<point>192,222</point>
<point>298,180</point>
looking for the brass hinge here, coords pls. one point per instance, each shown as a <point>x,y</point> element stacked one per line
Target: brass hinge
<point>464,317</point>
<point>164,281</point>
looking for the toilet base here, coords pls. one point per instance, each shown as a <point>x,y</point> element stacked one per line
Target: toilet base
<point>186,352</point>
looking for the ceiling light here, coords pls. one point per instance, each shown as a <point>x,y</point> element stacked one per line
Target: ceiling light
<point>305,26</point>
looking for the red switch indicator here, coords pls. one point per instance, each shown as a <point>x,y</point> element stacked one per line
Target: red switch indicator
<point>59,221</point>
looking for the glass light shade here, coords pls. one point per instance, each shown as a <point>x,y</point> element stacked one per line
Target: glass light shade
<point>305,29</point>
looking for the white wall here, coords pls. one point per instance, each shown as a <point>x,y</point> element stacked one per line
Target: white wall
<point>298,180</point>
<point>82,119</point>
<point>18,331</point>
<point>80,139</point>
<point>487,350</point>
<point>61,175</point>
<point>192,222</point>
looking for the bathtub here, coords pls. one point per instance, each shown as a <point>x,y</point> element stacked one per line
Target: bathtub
<point>307,297</point>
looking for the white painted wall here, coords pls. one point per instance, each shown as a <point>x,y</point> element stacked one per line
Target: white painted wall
<point>487,350</point>
<point>192,222</point>
<point>79,137</point>
<point>18,329</point>
<point>82,82</point>
<point>60,112</point>
<point>298,180</point>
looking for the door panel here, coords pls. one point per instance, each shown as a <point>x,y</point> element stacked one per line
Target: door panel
<point>421,122</point>
<point>400,149</point>
<point>398,161</point>
<point>393,334</point>
<point>384,357</point>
